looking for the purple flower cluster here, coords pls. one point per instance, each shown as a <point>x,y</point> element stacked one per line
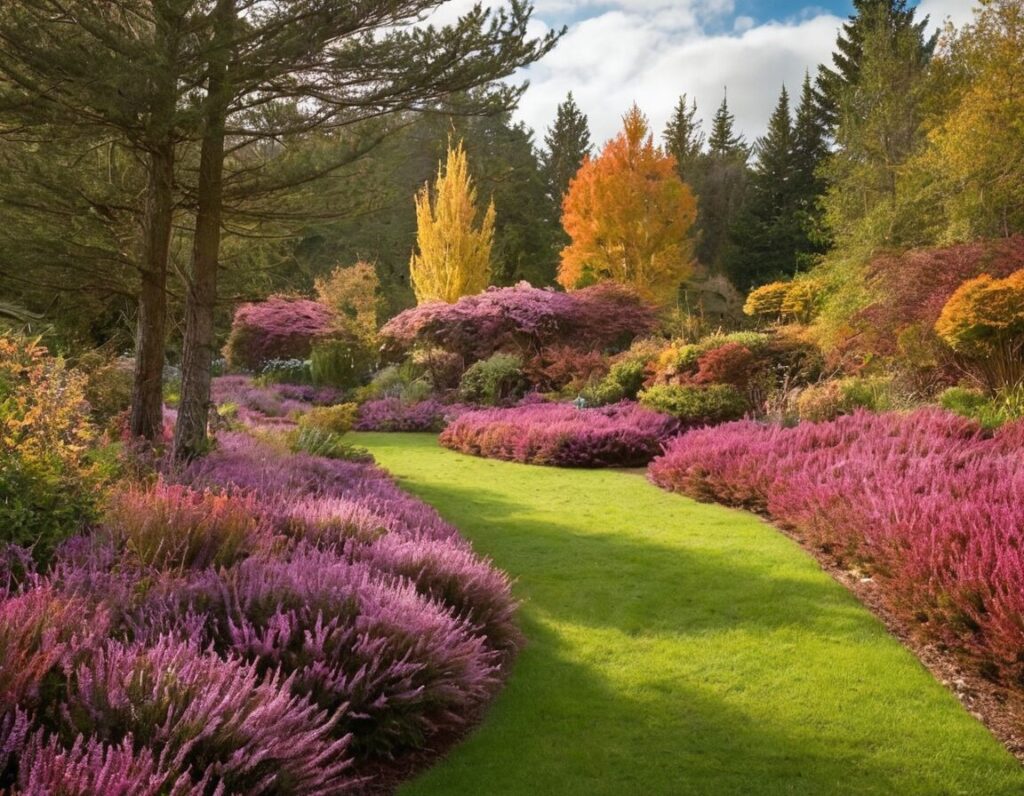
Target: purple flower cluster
<point>523,318</point>
<point>620,435</point>
<point>267,624</point>
<point>927,502</point>
<point>271,404</point>
<point>278,328</point>
<point>393,414</point>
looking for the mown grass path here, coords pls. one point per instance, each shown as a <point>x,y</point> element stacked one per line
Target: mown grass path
<point>680,648</point>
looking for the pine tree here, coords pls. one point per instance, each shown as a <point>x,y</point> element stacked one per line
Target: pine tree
<point>568,145</point>
<point>724,141</point>
<point>722,184</point>
<point>454,258</point>
<point>835,82</point>
<point>684,139</point>
<point>810,150</point>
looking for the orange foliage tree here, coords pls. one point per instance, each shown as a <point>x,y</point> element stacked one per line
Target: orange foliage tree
<point>984,322</point>
<point>628,215</point>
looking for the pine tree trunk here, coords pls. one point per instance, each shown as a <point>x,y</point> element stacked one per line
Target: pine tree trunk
<point>146,419</point>
<point>190,434</point>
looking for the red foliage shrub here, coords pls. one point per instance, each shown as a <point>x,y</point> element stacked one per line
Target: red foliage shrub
<point>731,363</point>
<point>278,328</point>
<point>929,503</point>
<point>559,366</point>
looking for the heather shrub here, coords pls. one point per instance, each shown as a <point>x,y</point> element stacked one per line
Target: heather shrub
<point>394,414</point>
<point>337,419</point>
<point>561,435</point>
<point>217,719</point>
<point>830,399</point>
<point>696,405</point>
<point>392,666</point>
<point>493,381</point>
<point>175,527</point>
<point>279,328</point>
<point>924,501</point>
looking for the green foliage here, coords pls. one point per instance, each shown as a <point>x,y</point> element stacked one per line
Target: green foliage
<point>285,371</point>
<point>713,403</point>
<point>407,382</point>
<point>339,362</point>
<point>830,399</point>
<point>337,419</point>
<point>108,386</point>
<point>320,442</point>
<point>624,380</point>
<point>493,381</point>
<point>567,144</point>
<point>991,411</point>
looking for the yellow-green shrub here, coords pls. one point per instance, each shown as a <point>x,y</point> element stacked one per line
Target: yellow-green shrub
<point>337,419</point>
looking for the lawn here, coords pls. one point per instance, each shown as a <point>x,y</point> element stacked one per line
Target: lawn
<point>679,648</point>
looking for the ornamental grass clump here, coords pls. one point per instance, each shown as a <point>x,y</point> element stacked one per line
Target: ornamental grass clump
<point>620,435</point>
<point>927,502</point>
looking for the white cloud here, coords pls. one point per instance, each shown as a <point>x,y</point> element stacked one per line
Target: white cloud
<point>613,59</point>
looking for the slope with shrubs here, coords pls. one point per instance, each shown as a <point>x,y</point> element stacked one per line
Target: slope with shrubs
<point>269,623</point>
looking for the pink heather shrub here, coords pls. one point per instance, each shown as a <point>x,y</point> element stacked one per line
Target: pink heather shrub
<point>390,664</point>
<point>620,435</point>
<point>216,718</point>
<point>930,504</point>
<point>170,526</point>
<point>523,319</point>
<point>393,414</point>
<point>278,328</point>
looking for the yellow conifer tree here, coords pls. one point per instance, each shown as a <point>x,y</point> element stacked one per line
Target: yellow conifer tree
<point>454,257</point>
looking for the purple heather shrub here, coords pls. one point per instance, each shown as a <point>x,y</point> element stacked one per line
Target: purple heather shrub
<point>89,768</point>
<point>392,665</point>
<point>393,414</point>
<point>278,328</point>
<point>620,435</point>
<point>523,319</point>
<point>215,718</point>
<point>930,504</point>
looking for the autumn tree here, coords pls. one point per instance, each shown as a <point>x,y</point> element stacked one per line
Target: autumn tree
<point>353,295</point>
<point>628,215</point>
<point>453,241</point>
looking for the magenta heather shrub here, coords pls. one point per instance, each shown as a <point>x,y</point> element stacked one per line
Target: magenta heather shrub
<point>217,718</point>
<point>393,414</point>
<point>523,319</point>
<point>392,665</point>
<point>620,435</point>
<point>932,505</point>
<point>278,328</point>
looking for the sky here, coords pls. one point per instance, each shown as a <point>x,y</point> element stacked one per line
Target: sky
<point>651,51</point>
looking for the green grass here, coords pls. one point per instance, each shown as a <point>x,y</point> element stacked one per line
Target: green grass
<point>679,648</point>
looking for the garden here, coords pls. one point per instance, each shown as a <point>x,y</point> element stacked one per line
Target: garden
<point>353,442</point>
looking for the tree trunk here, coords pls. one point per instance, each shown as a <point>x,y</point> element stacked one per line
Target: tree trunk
<point>190,434</point>
<point>151,331</point>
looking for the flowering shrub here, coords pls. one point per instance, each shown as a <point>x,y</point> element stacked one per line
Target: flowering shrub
<point>621,435</point>
<point>394,414</point>
<point>926,501</point>
<point>269,623</point>
<point>522,319</point>
<point>278,328</point>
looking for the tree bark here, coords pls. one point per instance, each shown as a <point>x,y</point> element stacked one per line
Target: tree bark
<point>190,434</point>
<point>146,419</point>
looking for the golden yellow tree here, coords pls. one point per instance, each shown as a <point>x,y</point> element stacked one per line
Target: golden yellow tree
<point>454,256</point>
<point>628,215</point>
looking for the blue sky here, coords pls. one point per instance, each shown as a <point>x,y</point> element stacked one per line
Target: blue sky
<point>651,51</point>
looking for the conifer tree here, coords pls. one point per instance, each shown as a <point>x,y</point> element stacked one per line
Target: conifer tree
<point>684,139</point>
<point>454,257</point>
<point>723,178</point>
<point>567,146</point>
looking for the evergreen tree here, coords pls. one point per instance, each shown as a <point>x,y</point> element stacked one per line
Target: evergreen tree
<point>835,82</point>
<point>684,139</point>
<point>721,187</point>
<point>810,151</point>
<point>568,144</point>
